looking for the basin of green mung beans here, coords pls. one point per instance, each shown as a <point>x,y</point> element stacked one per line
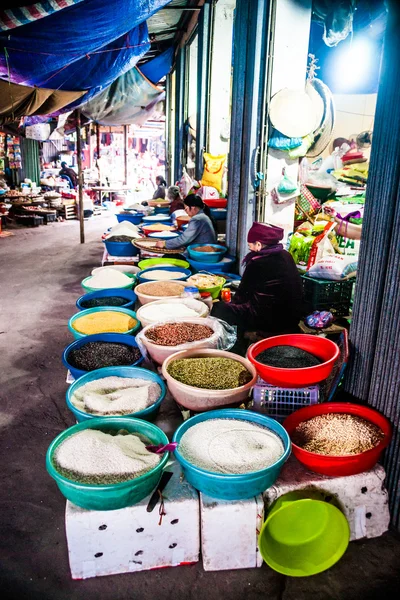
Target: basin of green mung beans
<point>212,373</point>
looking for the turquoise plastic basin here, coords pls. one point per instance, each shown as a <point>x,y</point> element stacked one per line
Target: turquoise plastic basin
<point>148,414</point>
<point>88,311</point>
<point>111,496</point>
<point>232,487</point>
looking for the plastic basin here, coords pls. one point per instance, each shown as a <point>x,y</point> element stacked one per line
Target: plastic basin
<point>89,311</point>
<point>152,262</point>
<point>156,228</point>
<point>324,349</point>
<point>216,202</point>
<point>161,210</point>
<point>303,536</point>
<point>132,218</point>
<point>212,257</point>
<point>339,466</point>
<point>129,295</point>
<point>199,399</point>
<point>226,486</point>
<point>86,284</point>
<point>219,214</point>
<point>109,496</point>
<point>200,307</point>
<point>120,338</point>
<point>148,414</point>
<point>214,290</point>
<point>185,273</point>
<point>126,269</point>
<point>163,235</point>
<point>224,265</point>
<point>166,219</point>
<point>146,299</point>
<point>160,353</point>
<point>121,248</point>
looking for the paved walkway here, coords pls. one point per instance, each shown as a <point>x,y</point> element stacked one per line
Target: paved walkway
<point>40,274</point>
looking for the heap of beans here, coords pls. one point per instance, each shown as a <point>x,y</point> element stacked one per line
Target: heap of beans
<point>287,357</point>
<point>210,373</point>
<point>206,249</point>
<point>108,301</point>
<point>120,238</point>
<point>162,288</point>
<point>173,334</point>
<point>96,355</point>
<point>337,434</point>
<point>107,321</point>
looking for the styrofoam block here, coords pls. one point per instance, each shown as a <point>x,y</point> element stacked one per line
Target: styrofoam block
<point>131,539</point>
<point>362,497</point>
<point>229,533</point>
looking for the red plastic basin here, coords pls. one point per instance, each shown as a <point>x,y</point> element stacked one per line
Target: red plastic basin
<point>337,466</point>
<point>216,202</point>
<point>322,348</point>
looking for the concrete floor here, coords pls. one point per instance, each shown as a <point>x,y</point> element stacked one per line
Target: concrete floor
<point>40,276</point>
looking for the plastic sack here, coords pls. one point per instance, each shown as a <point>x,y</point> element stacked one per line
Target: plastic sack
<point>334,268</point>
<point>224,338</point>
<point>279,141</point>
<point>213,170</point>
<point>319,319</point>
<point>185,183</point>
<point>286,185</point>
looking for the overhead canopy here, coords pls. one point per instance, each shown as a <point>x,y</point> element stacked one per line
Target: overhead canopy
<point>157,68</point>
<point>130,99</point>
<point>16,16</point>
<point>57,50</point>
<point>17,101</point>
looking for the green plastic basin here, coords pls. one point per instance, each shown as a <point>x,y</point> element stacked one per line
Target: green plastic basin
<point>109,496</point>
<point>153,262</point>
<point>85,283</point>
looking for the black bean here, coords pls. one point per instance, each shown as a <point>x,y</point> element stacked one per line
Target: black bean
<point>108,301</point>
<point>287,357</point>
<point>120,238</point>
<point>95,355</point>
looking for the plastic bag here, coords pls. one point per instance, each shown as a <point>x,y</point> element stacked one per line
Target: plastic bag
<point>286,185</point>
<point>185,183</point>
<point>334,268</point>
<point>224,337</point>
<point>213,170</point>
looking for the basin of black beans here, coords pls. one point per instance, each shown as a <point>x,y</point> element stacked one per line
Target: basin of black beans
<point>96,355</point>
<point>288,357</point>
<point>108,301</point>
<point>120,238</point>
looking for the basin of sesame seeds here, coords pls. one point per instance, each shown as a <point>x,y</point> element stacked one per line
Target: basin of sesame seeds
<point>338,438</point>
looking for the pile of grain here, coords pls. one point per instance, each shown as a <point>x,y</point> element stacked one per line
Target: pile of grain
<point>160,312</point>
<point>162,288</point>
<point>206,249</point>
<point>94,457</point>
<point>288,357</point>
<point>106,321</point>
<point>116,395</point>
<point>108,279</point>
<point>230,446</point>
<point>337,434</point>
<point>210,373</point>
<point>173,334</point>
<point>162,275</point>
<point>107,301</point>
<point>96,355</point>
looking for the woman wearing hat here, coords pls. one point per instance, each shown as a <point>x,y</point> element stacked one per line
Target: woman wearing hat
<point>200,229</point>
<point>269,298</point>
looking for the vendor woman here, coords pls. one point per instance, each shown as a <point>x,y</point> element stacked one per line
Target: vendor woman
<point>200,229</point>
<point>269,298</point>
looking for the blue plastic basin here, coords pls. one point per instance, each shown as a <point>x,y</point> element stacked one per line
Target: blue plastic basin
<point>121,248</point>
<point>148,414</point>
<point>120,338</point>
<point>159,210</point>
<point>207,257</point>
<point>132,218</point>
<point>129,295</point>
<point>185,273</point>
<point>232,487</point>
<point>88,311</point>
<point>223,266</point>
<point>219,214</point>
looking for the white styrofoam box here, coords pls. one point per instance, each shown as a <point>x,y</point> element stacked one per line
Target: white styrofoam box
<point>229,533</point>
<point>362,497</point>
<point>131,539</point>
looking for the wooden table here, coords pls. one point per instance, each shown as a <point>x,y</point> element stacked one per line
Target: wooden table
<point>103,190</point>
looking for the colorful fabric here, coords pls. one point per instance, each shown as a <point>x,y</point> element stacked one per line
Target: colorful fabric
<point>16,17</point>
<point>307,202</point>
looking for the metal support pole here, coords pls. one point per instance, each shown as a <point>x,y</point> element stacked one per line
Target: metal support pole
<point>98,140</point>
<point>179,115</point>
<point>203,83</point>
<point>125,154</point>
<point>80,174</point>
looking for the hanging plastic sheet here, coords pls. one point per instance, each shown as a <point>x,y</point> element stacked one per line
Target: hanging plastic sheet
<point>22,15</point>
<point>46,47</point>
<point>17,101</point>
<point>130,99</point>
<point>160,66</point>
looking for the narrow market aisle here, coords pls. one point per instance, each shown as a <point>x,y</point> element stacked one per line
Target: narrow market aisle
<point>41,270</point>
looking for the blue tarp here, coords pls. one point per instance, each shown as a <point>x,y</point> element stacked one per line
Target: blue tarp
<point>33,53</point>
<point>160,66</point>
<point>130,99</point>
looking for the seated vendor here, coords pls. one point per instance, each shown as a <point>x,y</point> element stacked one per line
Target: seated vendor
<point>66,170</point>
<point>161,187</point>
<point>200,229</point>
<point>269,298</point>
